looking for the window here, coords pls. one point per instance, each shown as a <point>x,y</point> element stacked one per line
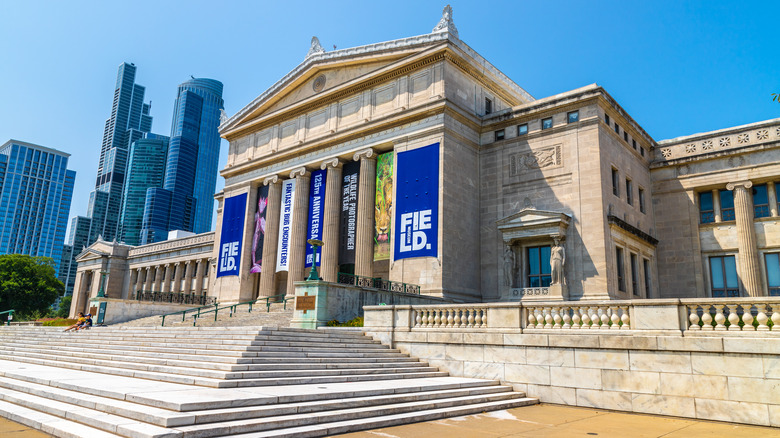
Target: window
<point>522,129</point>
<point>620,269</point>
<point>641,199</point>
<point>539,266</point>
<point>625,136</point>
<point>633,143</point>
<point>615,179</point>
<point>617,128</point>
<point>773,273</point>
<point>723,271</point>
<point>646,266</point>
<point>499,135</point>
<point>706,209</point>
<point>573,117</point>
<point>606,118</point>
<point>760,201</point>
<point>634,274</point>
<point>547,123</point>
<point>488,106</point>
<point>726,205</point>
<point>642,151</point>
<point>629,192</point>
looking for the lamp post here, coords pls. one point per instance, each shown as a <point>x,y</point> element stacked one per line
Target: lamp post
<point>101,292</point>
<point>313,275</point>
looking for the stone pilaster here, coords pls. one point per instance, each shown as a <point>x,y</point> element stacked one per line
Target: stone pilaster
<point>139,281</point>
<point>750,272</point>
<point>190,267</point>
<point>133,280</point>
<point>199,274</point>
<point>329,267</point>
<point>148,277</point>
<point>177,278</point>
<point>79,299</point>
<point>364,239</point>
<point>158,278</point>
<point>295,265</point>
<point>268,276</point>
<point>716,205</point>
<point>771,191</point>
<point>166,287</point>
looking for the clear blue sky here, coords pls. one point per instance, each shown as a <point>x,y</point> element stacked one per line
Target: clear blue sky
<point>677,67</point>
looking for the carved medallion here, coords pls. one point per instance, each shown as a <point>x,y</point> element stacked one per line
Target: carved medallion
<point>318,84</point>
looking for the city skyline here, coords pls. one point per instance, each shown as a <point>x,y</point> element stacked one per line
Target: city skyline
<point>671,65</point>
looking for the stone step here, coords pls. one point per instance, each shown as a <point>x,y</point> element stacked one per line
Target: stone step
<point>321,360</point>
<point>49,423</point>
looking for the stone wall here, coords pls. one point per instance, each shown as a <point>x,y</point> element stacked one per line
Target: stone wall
<point>118,311</point>
<point>651,361</point>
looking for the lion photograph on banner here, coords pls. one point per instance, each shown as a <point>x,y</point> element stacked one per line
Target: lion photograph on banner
<point>384,206</point>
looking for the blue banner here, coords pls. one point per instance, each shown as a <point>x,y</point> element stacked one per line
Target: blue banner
<point>416,230</point>
<point>316,213</point>
<point>232,232</point>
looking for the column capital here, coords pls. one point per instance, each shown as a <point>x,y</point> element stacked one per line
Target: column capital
<point>301,171</point>
<point>365,153</point>
<point>745,184</point>
<point>273,179</point>
<point>333,162</point>
<point>148,268</point>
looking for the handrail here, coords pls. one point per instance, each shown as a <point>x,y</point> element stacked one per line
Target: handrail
<point>10,316</point>
<point>377,283</point>
<point>233,307</point>
<point>185,312</point>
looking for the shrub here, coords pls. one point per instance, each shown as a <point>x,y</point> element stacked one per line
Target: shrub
<point>355,322</point>
<point>57,322</point>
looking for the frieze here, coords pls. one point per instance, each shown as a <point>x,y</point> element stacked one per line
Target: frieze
<point>718,141</point>
<point>167,246</point>
<point>536,159</point>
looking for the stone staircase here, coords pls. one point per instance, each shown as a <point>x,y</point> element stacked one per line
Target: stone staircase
<point>260,315</point>
<point>193,382</point>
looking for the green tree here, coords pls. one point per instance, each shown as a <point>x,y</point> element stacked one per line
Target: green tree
<point>28,284</point>
<point>775,97</point>
<point>64,307</point>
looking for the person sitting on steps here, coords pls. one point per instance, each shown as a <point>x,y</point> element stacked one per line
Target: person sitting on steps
<point>79,321</point>
<point>87,322</point>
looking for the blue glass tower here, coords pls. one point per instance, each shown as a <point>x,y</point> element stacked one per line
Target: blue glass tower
<point>186,200</point>
<point>36,188</point>
<point>145,169</point>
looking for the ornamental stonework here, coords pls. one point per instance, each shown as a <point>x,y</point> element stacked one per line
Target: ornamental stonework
<point>534,160</point>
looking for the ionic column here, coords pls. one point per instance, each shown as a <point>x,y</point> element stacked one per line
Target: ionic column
<point>329,267</point>
<point>297,258</point>
<point>148,284</point>
<point>158,278</point>
<point>139,281</point>
<point>199,274</point>
<point>190,266</point>
<point>177,277</point>
<point>771,192</point>
<point>166,287</point>
<point>716,205</point>
<point>268,275</point>
<point>750,273</point>
<point>133,280</point>
<point>364,239</point>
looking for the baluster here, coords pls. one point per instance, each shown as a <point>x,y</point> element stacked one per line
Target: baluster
<point>585,317</point>
<point>614,318</point>
<point>747,318</point>
<point>720,319</point>
<point>417,318</point>
<point>478,318</point>
<point>775,318</point>
<point>762,317</point>
<point>595,319</point>
<point>450,317</point>
<point>733,317</point>
<point>566,317</point>
<point>706,318</point>
<point>604,318</point>
<point>531,318</point>
<point>437,318</point>
<point>575,318</point>
<point>471,318</point>
<point>556,316</point>
<point>625,319</point>
<point>548,320</point>
<point>693,317</point>
<point>484,317</point>
<point>427,320</point>
<point>464,319</point>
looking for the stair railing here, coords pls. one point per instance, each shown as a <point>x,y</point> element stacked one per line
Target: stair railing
<point>184,313</point>
<point>232,308</point>
<point>10,316</point>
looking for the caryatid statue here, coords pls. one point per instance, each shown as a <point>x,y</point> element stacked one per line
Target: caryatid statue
<point>557,261</point>
<point>509,266</point>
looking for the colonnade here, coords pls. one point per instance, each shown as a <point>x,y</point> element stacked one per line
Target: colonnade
<point>168,277</point>
<point>364,239</point>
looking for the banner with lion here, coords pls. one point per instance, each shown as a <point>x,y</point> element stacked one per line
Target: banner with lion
<point>384,206</point>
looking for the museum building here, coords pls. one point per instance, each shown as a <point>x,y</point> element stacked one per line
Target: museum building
<point>418,162</point>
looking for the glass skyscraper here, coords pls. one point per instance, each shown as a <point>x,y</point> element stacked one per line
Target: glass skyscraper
<point>36,188</point>
<point>186,199</point>
<point>145,170</point>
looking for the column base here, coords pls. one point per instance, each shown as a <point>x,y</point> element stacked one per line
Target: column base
<point>554,292</point>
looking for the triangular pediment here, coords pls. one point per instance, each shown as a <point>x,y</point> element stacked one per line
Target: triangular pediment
<point>533,224</point>
<point>529,217</point>
<point>100,249</point>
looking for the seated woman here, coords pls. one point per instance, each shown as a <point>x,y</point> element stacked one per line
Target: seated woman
<point>87,322</point>
<point>81,320</point>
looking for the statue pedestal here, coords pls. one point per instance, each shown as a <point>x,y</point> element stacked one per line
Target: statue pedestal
<point>554,292</point>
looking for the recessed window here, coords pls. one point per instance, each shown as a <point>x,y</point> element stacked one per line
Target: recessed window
<point>547,123</point>
<point>573,117</point>
<point>641,199</point>
<point>634,274</point>
<point>615,182</point>
<point>706,208</point>
<point>617,128</point>
<point>646,266</point>
<point>760,201</point>
<point>620,269</point>
<point>539,274</point>
<point>606,119</point>
<point>726,205</point>
<point>773,273</point>
<point>488,106</point>
<point>522,129</point>
<point>499,135</point>
<point>633,144</point>
<point>642,151</point>
<point>723,273</point>
<point>629,192</point>
<point>625,136</point>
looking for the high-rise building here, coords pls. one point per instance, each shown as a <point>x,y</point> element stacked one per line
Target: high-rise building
<point>185,201</point>
<point>145,170</point>
<point>129,121</point>
<point>36,188</point>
